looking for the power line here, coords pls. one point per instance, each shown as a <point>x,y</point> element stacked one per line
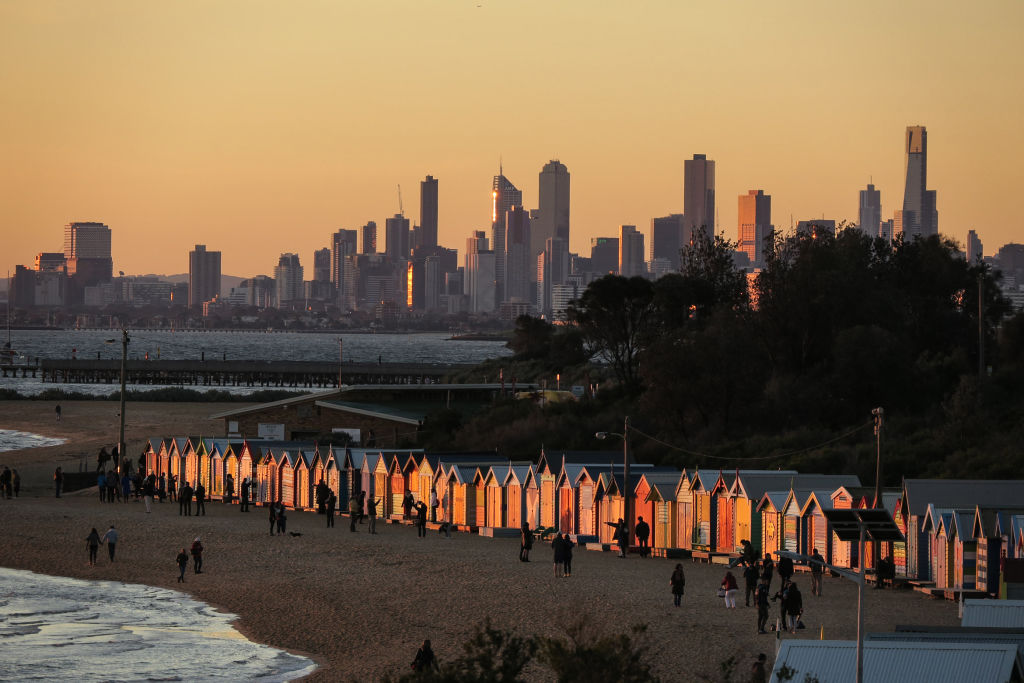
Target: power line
<point>756,457</point>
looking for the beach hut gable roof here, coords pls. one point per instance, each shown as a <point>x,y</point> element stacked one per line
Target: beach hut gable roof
<point>661,484</point>
<point>993,614</point>
<point>518,474</point>
<point>820,499</point>
<point>960,493</point>
<point>772,501</point>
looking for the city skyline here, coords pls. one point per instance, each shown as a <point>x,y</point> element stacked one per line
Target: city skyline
<point>253,147</point>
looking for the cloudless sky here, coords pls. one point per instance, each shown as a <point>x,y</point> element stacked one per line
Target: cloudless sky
<point>260,127</point>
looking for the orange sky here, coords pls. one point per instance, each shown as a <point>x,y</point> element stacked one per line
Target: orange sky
<point>261,127</point>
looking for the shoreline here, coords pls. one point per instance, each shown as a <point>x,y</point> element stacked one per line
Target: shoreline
<point>359,605</point>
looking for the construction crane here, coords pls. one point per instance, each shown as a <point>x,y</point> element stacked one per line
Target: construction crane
<point>401,211</point>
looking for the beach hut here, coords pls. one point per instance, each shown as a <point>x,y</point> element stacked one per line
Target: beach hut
<point>794,533</point>
<point>818,532</point>
<point>287,462</point>
<point>567,499</point>
<point>382,486</point>
<point>587,514</point>
<point>410,472</point>
<point>517,508</point>
<point>427,476</point>
<point>165,458</point>
<point>216,476</point>
<point>231,466</point>
<point>302,498</point>
<point>155,448</point>
<point>180,448</point>
<point>658,486</point>
<point>190,460</point>
<point>397,482</point>
<point>770,508</point>
<point>317,472</point>
<point>704,519</point>
<point>531,490</point>
<point>462,493</point>
<point>844,553</point>
<point>494,495</point>
<point>684,510</point>
<point>332,474</point>
<point>268,483</point>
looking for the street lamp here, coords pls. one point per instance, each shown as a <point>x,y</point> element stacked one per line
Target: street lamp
<point>879,416</point>
<point>626,493</point>
<point>856,525</point>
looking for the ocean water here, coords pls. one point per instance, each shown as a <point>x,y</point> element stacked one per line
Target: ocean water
<point>55,628</point>
<point>429,347</point>
<point>12,440</point>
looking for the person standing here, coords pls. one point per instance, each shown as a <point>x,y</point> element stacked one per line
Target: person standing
<point>525,542</point>
<point>371,508</point>
<point>433,505</point>
<point>621,536</point>
<point>273,517</point>
<point>161,490</point>
<point>817,569</point>
<point>282,519</point>
<point>353,514</point>
<point>782,596</point>
<point>332,501</point>
<point>362,506</point>
<point>567,546</point>
<point>172,487</point>
<point>5,482</point>
<point>92,542</point>
<point>785,569</point>
<point>421,519</point>
<point>110,538</point>
<point>182,561</point>
<point>200,499</point>
<point>750,577</point>
<point>148,488</point>
<point>243,496</point>
<point>729,590</point>
<point>758,674</point>
<point>112,487</point>
<point>126,486</point>
<point>197,556</point>
<point>678,584</point>
<point>57,410</point>
<point>767,569</point>
<point>58,481</point>
<point>407,503</point>
<point>761,602</point>
<point>558,554</point>
<point>16,478</point>
<point>425,658</point>
<point>229,488</point>
<point>643,532</point>
<point>794,604</point>
<point>101,484</point>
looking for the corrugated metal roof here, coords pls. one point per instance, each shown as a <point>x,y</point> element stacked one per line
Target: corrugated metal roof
<point>958,635</point>
<point>962,493</point>
<point>902,661</point>
<point>375,410</point>
<point>664,480</point>
<point>994,613</point>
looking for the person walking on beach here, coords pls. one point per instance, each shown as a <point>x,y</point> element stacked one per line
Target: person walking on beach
<point>185,500</point>
<point>273,517</point>
<point>525,542</point>
<point>421,519</point>
<point>767,568</point>
<point>729,590</point>
<point>148,487</point>
<point>567,546</point>
<point>353,514</point>
<point>750,578</point>
<point>332,501</point>
<point>425,659</point>
<point>110,538</point>
<point>16,478</point>
<point>182,561</point>
<point>92,542</point>
<point>371,507</point>
<point>282,519</point>
<point>57,410</point>
<point>643,532</point>
<point>678,584</point>
<point>243,496</point>
<point>197,556</point>
<point>761,602</point>
<point>817,569</point>
<point>558,554</point>
<point>5,482</point>
<point>794,605</point>
<point>58,481</point>
<point>621,536</point>
<point>433,506</point>
<point>172,487</point>
<point>200,499</point>
<point>229,489</point>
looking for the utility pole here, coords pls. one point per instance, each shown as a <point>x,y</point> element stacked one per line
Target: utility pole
<point>876,551</point>
<point>626,492</point>
<point>124,366</point>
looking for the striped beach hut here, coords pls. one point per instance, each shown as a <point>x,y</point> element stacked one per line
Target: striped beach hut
<point>567,498</point>
<point>770,509</point>
<point>332,473</point>
<point>494,495</point>
<point>794,532</point>
<point>658,487</point>
<point>937,524</point>
<point>818,532</point>
<point>155,449</point>
<point>268,484</point>
<point>588,515</point>
<point>456,474</point>
<point>684,510</point>
<point>705,521</point>
<point>317,470</point>
<point>303,498</point>
<point>396,483</point>
<point>427,475</point>
<point>517,508</point>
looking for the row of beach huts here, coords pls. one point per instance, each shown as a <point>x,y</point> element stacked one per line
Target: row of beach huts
<point>959,533</point>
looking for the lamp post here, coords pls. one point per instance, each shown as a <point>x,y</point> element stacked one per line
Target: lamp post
<point>876,551</point>
<point>626,493</point>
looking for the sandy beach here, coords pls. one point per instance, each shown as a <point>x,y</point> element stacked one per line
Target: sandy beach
<point>361,604</point>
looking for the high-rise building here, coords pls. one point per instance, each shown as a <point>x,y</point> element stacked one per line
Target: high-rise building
<point>604,255</point>
<point>480,278</point>
<point>698,196</point>
<point>428,212</point>
<point>322,265</point>
<point>343,243</point>
<point>504,195</point>
<point>288,280</point>
<point>869,218</point>
<point>86,240</point>
<point>50,261</point>
<point>553,207</point>
<point>920,217</point>
<point>755,224</point>
<point>553,269</point>
<point>631,251</point>
<point>667,239</point>
<point>886,229</point>
<point>974,250</point>
<point>396,232</point>
<point>518,259</point>
<point>203,275</point>
<point>369,238</point>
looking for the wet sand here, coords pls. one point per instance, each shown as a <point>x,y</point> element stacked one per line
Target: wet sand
<point>361,604</point>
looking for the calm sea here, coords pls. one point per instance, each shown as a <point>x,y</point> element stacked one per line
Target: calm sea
<point>55,628</point>
<point>434,347</point>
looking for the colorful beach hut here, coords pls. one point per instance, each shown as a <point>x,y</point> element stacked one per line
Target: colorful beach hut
<point>517,508</point>
<point>658,487</point>
<point>770,509</point>
<point>818,532</point>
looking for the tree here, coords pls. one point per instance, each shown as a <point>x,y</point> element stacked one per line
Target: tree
<point>531,338</point>
<point>616,316</point>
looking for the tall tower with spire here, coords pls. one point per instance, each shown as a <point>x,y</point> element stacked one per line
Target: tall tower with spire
<point>504,195</point>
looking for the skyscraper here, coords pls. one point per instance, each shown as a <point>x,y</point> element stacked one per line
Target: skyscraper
<point>322,265</point>
<point>975,253</point>
<point>519,261</point>
<point>755,224</point>
<point>86,240</point>
<point>369,238</point>
<point>480,274</point>
<point>604,255</point>
<point>343,243</point>
<point>698,196</point>
<point>667,238</point>
<point>203,275</point>
<point>288,279</point>
<point>553,206</point>
<point>504,195</point>
<point>428,212</point>
<point>920,218</point>
<point>396,232</point>
<point>553,267</point>
<point>869,218</point>
<point>631,251</point>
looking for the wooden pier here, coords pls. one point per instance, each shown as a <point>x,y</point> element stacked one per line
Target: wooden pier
<point>248,373</point>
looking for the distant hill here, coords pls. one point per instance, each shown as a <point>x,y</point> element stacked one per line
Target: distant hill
<point>226,281</point>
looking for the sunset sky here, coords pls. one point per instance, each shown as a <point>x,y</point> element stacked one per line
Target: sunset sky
<point>261,127</point>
